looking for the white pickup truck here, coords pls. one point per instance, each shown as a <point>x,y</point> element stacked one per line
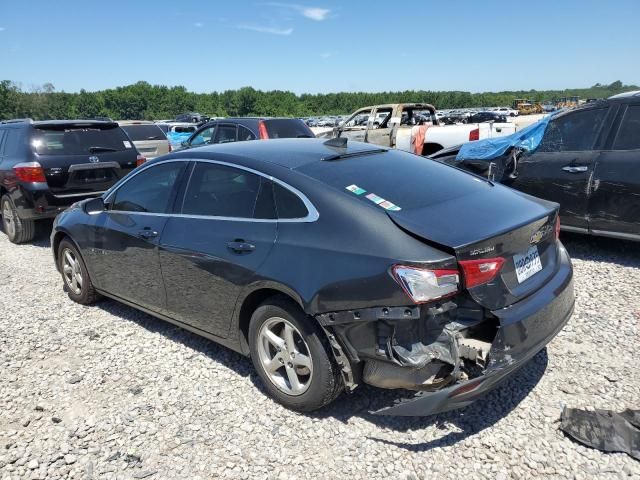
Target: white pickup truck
<point>392,126</point>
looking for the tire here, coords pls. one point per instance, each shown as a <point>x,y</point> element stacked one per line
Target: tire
<point>322,385</point>
<point>16,229</point>
<point>81,291</point>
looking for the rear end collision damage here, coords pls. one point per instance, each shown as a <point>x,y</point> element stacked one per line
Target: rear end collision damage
<point>451,350</point>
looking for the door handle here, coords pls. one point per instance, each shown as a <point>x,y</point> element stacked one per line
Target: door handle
<point>240,246</point>
<point>147,233</point>
<point>575,168</point>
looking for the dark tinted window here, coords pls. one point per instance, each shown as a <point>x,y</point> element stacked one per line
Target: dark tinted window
<point>288,204</point>
<point>164,127</point>
<point>628,137</point>
<point>287,128</point>
<point>61,140</point>
<point>2,134</point>
<point>221,191</point>
<point>412,182</point>
<point>265,205</point>
<point>245,134</point>
<point>12,140</point>
<point>144,132</point>
<point>150,190</point>
<point>226,134</point>
<point>576,131</point>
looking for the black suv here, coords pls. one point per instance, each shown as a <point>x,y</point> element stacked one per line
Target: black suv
<point>46,166</point>
<point>248,128</point>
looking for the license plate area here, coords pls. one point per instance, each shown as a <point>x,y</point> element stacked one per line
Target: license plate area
<point>527,264</point>
<point>93,173</point>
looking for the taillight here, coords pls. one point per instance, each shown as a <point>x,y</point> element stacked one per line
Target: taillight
<point>262,130</point>
<point>558,227</point>
<point>29,172</point>
<point>425,285</point>
<point>140,160</point>
<point>474,134</point>
<point>477,272</point>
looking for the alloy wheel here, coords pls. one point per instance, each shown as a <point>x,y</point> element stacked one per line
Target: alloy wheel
<point>285,356</point>
<point>71,271</point>
<point>8,220</point>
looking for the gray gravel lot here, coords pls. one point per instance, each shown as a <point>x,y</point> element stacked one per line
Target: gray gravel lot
<point>109,392</point>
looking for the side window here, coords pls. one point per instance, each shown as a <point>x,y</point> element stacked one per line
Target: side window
<point>226,134</point>
<point>628,137</point>
<point>204,136</point>
<point>381,118</point>
<point>221,191</point>
<point>574,132</point>
<point>288,204</point>
<point>2,135</point>
<point>358,119</point>
<point>150,190</point>
<point>11,141</point>
<point>245,134</point>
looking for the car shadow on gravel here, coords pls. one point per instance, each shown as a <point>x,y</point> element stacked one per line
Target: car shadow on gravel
<point>585,247</point>
<point>468,421</point>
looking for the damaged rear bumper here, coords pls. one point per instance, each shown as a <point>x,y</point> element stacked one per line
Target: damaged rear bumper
<point>441,336</point>
<point>525,328</point>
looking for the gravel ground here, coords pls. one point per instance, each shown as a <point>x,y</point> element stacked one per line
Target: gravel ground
<point>109,392</point>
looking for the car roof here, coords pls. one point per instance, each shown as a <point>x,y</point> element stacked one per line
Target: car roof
<point>135,122</point>
<point>286,152</point>
<point>634,93</point>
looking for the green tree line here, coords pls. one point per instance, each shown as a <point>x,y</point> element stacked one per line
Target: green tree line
<point>152,102</point>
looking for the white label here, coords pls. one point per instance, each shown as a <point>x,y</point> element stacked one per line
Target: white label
<point>127,143</point>
<point>527,264</point>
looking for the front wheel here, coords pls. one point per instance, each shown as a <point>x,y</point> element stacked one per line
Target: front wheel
<point>74,274</point>
<point>292,356</point>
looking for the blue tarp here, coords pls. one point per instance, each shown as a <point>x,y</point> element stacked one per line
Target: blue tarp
<point>176,139</point>
<point>526,139</point>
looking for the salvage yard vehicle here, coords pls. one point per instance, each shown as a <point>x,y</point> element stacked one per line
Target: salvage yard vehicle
<point>247,128</point>
<point>148,137</point>
<point>330,264</point>
<point>396,127</point>
<point>585,159</point>
<point>46,166</point>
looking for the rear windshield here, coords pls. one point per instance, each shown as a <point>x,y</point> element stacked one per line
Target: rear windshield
<point>288,128</point>
<point>70,140</point>
<point>144,132</point>
<point>398,179</point>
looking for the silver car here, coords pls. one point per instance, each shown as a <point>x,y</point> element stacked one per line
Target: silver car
<point>148,137</point>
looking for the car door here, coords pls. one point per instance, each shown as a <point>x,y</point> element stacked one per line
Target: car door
<point>614,205</point>
<point>379,130</point>
<point>560,168</point>
<point>224,231</point>
<point>124,243</point>
<point>204,136</point>
<point>355,127</point>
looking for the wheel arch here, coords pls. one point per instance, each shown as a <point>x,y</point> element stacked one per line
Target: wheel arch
<point>430,148</point>
<point>252,299</point>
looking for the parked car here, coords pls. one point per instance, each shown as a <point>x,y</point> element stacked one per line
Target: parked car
<point>247,128</point>
<point>150,140</point>
<point>395,129</point>
<point>307,256</point>
<point>507,112</point>
<point>585,159</point>
<point>46,166</point>
<point>482,117</point>
<point>191,117</point>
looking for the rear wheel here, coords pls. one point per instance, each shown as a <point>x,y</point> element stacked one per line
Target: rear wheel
<point>16,229</point>
<point>74,274</point>
<point>292,357</point>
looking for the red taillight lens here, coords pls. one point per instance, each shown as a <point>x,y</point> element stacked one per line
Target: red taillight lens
<point>474,134</point>
<point>477,272</point>
<point>558,227</point>
<point>29,172</point>
<point>140,160</point>
<point>425,285</point>
<point>262,130</point>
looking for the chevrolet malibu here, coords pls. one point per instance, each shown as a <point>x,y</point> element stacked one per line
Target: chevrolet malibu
<point>330,264</point>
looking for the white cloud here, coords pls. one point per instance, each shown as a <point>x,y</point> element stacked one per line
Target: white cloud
<point>314,13</point>
<point>198,25</point>
<point>270,30</point>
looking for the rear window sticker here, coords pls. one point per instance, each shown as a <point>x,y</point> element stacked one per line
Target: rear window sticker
<point>356,189</point>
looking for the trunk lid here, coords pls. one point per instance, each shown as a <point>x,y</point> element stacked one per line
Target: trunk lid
<point>515,227</point>
<point>83,157</point>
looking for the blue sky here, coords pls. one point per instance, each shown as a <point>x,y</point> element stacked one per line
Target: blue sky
<point>321,46</point>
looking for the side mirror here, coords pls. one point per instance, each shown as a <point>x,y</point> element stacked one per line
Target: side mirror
<point>95,205</point>
<point>184,144</point>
